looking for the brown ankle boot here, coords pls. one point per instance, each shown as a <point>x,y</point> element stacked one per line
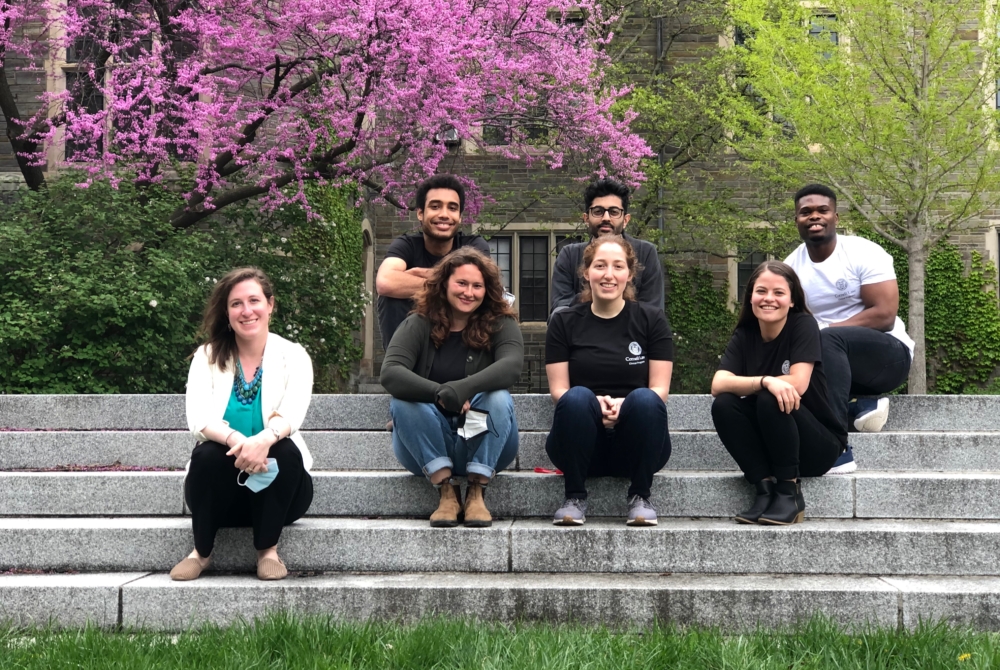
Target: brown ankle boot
<point>449,507</point>
<point>476,514</point>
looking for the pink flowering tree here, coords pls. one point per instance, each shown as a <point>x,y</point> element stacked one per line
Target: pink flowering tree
<point>256,98</point>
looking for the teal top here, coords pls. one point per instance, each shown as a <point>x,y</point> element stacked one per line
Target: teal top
<point>248,419</point>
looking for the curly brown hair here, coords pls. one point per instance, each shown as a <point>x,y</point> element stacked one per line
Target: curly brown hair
<point>214,330</point>
<point>432,300</point>
<point>634,266</point>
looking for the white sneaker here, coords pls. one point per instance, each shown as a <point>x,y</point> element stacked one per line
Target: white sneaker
<point>873,420</point>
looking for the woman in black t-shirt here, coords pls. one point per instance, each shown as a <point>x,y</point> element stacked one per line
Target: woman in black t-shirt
<point>772,410</point>
<point>448,368</point>
<point>608,361</point>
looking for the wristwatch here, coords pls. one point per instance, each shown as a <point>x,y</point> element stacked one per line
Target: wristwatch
<point>277,435</point>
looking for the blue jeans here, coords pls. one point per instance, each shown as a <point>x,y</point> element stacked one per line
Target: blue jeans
<point>637,447</point>
<point>425,440</point>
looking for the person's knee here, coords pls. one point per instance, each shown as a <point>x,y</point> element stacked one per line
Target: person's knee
<point>286,453</point>
<point>209,455</point>
<point>578,398</point>
<point>767,405</point>
<point>724,405</point>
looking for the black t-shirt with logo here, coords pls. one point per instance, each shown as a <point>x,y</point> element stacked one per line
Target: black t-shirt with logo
<point>609,356</point>
<point>748,355</point>
<point>410,247</point>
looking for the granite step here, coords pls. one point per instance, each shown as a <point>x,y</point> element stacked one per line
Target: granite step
<point>705,546</point>
<point>372,450</point>
<point>731,602</point>
<point>370,412</point>
<point>520,495</point>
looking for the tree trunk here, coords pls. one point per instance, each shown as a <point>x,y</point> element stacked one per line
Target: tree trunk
<point>917,261</point>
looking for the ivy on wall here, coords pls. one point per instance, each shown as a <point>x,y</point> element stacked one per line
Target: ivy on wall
<point>702,324</point>
<point>962,317</point>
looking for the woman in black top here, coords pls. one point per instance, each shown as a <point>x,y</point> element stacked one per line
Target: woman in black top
<point>772,410</point>
<point>608,362</point>
<point>448,368</point>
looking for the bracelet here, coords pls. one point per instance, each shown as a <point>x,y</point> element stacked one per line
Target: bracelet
<point>763,377</point>
<point>229,436</point>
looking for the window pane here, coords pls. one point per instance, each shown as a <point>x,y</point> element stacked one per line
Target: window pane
<point>745,268</point>
<point>500,250</point>
<point>533,295</point>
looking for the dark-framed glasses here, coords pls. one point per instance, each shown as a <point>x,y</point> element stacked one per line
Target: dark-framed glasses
<point>613,212</point>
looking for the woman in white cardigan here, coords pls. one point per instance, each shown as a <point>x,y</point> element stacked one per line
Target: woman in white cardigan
<point>251,465</point>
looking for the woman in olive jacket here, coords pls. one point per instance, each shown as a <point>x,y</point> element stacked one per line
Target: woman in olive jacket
<point>448,368</point>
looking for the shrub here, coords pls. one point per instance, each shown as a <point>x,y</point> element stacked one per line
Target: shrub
<point>101,295</point>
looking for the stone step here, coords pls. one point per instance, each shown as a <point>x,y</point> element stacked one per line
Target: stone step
<point>706,546</point>
<point>872,495</point>
<point>372,450</point>
<point>731,602</point>
<point>370,412</point>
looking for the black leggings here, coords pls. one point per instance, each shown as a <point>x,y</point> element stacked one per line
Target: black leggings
<point>217,501</point>
<point>766,442</point>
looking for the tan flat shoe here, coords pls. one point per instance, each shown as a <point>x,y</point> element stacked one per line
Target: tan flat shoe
<point>186,570</point>
<point>270,569</point>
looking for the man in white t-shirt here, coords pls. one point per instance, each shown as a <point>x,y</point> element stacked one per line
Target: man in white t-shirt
<point>851,289</point>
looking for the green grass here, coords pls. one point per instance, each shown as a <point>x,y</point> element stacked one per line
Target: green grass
<point>286,642</point>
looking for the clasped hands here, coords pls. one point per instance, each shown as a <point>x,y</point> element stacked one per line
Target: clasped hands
<point>251,452</point>
<point>610,407</point>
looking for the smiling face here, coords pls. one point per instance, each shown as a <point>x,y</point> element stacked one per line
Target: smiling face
<point>608,273</point>
<point>466,289</point>
<point>816,218</point>
<point>441,215</point>
<point>249,311</point>
<point>771,298</point>
<point>606,224</point>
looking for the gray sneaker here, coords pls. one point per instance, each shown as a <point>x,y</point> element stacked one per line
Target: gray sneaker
<point>640,512</point>
<point>572,513</point>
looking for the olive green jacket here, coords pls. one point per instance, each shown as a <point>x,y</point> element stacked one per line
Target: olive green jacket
<point>410,355</point>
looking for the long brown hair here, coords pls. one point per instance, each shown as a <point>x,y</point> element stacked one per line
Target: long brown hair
<point>634,266</point>
<point>432,300</point>
<point>794,288</point>
<point>214,330</point>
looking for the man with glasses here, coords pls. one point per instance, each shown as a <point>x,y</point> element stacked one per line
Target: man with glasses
<point>606,213</point>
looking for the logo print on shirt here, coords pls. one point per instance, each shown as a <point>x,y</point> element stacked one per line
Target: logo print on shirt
<point>634,348</point>
<point>786,367</point>
<point>841,284</point>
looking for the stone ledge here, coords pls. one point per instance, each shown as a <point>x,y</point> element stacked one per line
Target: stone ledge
<point>370,412</point>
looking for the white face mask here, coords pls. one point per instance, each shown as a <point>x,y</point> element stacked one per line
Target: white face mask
<point>476,422</point>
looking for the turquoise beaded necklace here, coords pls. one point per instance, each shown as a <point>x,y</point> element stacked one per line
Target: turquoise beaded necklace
<point>246,392</point>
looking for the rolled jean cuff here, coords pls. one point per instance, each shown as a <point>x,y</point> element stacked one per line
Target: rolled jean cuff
<point>437,464</point>
<point>480,469</point>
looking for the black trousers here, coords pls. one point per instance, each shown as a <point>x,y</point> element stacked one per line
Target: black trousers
<point>766,442</point>
<point>580,445</point>
<point>217,501</point>
<point>861,361</point>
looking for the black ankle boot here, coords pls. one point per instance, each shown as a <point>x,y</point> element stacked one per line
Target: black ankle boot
<point>787,507</point>
<point>765,491</point>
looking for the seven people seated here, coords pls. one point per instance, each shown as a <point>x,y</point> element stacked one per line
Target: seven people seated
<point>454,349</point>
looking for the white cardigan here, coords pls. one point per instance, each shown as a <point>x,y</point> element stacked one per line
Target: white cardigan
<point>286,389</point>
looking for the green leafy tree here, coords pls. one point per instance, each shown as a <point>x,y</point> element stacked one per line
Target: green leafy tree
<point>889,102</point>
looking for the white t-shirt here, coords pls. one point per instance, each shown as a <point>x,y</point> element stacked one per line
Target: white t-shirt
<point>833,287</point>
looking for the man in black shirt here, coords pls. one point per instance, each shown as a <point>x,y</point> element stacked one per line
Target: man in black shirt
<point>408,262</point>
<point>606,213</point>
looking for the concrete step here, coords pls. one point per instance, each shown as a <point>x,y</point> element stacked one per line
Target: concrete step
<point>707,546</point>
<point>372,450</point>
<point>731,602</point>
<point>370,412</point>
<point>872,495</point>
